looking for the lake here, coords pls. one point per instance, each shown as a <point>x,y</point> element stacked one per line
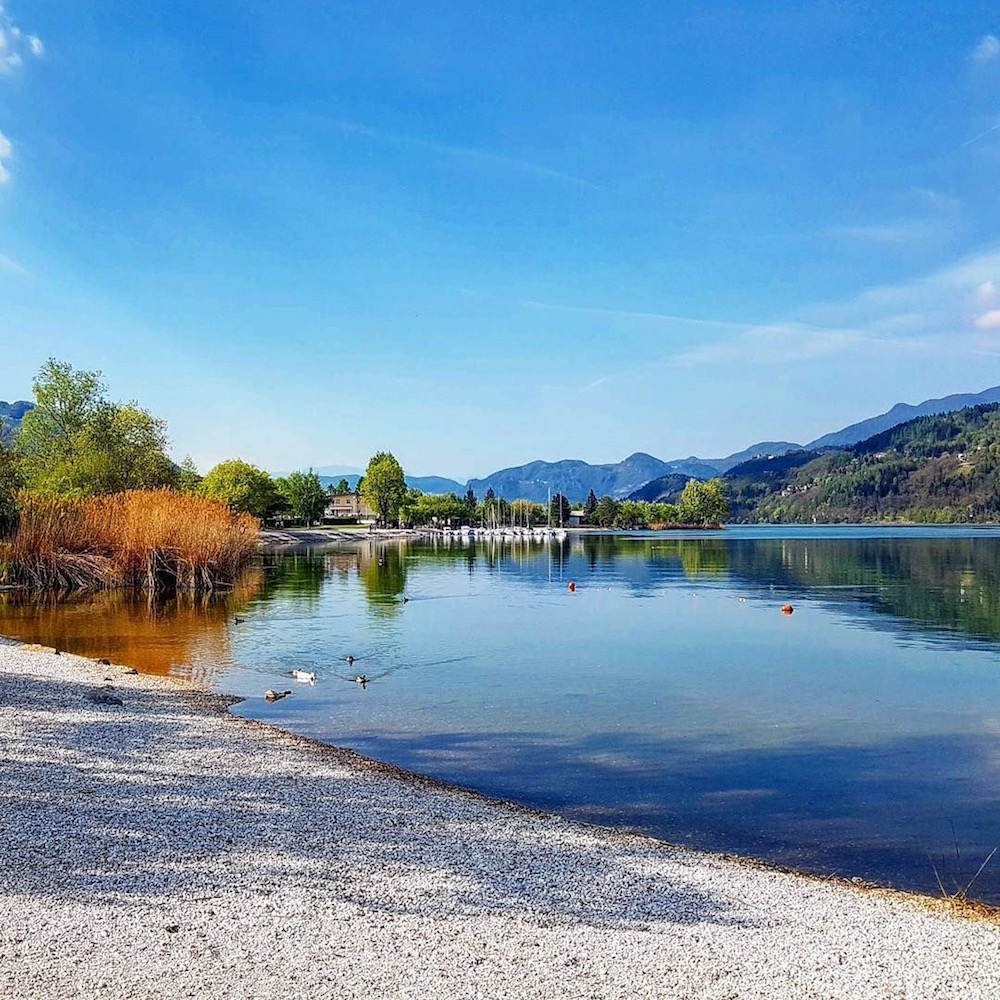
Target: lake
<point>666,693</point>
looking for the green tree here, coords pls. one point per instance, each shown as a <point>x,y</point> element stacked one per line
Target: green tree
<point>247,489</point>
<point>11,480</point>
<point>704,503</point>
<point>560,509</point>
<point>343,487</point>
<point>77,442</point>
<point>188,479</point>
<point>606,512</point>
<point>432,508</point>
<point>631,514</point>
<point>470,503</point>
<point>590,507</point>
<point>304,495</point>
<point>384,486</point>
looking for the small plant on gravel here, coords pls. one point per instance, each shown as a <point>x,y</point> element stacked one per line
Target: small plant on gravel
<point>960,893</point>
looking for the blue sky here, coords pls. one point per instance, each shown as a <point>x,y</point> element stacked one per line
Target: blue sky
<point>478,235</point>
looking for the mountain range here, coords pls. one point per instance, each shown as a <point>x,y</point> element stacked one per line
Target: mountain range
<point>638,476</point>
<point>11,415</point>
<point>941,467</point>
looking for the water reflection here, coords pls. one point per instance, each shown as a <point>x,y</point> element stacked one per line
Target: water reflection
<point>666,692</point>
<point>181,633</point>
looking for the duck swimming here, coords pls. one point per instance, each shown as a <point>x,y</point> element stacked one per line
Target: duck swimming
<point>362,680</point>
<point>271,695</point>
<point>304,676</point>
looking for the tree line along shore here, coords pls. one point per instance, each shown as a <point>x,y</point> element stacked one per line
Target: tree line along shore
<point>89,497</point>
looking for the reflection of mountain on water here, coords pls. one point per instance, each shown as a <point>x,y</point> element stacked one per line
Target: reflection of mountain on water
<point>940,585</point>
<point>182,633</point>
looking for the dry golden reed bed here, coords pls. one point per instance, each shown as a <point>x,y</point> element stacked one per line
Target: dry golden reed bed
<point>141,539</point>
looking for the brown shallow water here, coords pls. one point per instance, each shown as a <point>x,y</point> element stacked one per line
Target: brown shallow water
<point>186,633</point>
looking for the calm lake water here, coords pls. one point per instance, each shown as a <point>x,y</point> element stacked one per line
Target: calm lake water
<point>667,693</point>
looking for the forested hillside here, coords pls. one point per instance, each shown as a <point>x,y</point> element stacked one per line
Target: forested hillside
<point>943,468</point>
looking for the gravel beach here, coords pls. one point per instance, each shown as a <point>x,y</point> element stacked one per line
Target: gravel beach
<point>155,846</point>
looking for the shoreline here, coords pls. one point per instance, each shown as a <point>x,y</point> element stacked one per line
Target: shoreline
<point>300,848</point>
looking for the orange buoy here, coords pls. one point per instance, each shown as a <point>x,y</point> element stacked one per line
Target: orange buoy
<point>787,609</point>
<point>572,586</point>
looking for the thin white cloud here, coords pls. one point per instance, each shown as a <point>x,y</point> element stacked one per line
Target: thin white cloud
<point>989,320</point>
<point>898,234</point>
<point>981,135</point>
<point>987,48</point>
<point>720,324</point>
<point>464,152</point>
<point>779,343</point>
<point>15,44</point>
<point>941,313</point>
<point>12,266</point>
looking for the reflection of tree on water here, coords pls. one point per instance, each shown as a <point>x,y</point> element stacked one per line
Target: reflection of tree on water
<point>297,572</point>
<point>382,572</point>
<point>952,584</point>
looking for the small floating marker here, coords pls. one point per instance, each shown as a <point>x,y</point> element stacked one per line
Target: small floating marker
<point>786,609</point>
<point>572,586</point>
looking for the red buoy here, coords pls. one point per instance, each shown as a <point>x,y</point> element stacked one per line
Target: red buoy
<point>787,609</point>
<point>572,586</point>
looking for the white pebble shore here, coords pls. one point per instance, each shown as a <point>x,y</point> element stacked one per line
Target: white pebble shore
<point>162,848</point>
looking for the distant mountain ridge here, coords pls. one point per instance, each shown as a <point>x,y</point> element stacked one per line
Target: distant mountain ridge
<point>426,484</point>
<point>572,477</point>
<point>901,413</point>
<point>11,415</point>
<point>940,467</point>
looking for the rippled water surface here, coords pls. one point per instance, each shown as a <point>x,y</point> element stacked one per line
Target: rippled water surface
<point>668,692</point>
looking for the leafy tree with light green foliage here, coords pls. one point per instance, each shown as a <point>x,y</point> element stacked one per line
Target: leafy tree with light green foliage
<point>383,487</point>
<point>247,489</point>
<point>704,503</point>
<point>304,495</point>
<point>430,508</point>
<point>631,514</point>
<point>76,442</point>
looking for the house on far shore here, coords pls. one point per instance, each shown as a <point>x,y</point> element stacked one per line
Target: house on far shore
<point>347,507</point>
<point>575,519</point>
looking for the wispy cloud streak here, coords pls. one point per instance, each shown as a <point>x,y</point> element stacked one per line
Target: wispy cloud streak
<point>719,324</point>
<point>464,152</point>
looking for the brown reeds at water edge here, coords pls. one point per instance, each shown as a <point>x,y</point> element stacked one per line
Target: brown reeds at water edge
<point>149,540</point>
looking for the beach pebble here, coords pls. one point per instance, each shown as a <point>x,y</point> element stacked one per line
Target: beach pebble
<point>301,870</point>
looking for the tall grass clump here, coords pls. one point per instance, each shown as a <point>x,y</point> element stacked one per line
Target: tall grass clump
<point>149,540</point>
